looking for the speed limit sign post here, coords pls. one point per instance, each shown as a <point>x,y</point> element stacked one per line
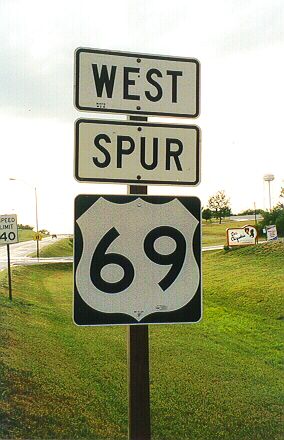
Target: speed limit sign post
<point>9,235</point>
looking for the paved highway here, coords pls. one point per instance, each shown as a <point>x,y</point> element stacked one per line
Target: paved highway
<point>19,253</point>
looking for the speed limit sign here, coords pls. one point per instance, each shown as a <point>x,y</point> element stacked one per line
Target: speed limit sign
<point>137,260</point>
<point>8,229</point>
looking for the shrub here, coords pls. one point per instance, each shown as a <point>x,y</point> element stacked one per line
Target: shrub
<point>206,214</point>
<point>274,217</point>
<point>20,226</point>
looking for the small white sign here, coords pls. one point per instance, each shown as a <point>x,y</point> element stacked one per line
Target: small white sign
<point>137,259</point>
<point>241,236</point>
<point>8,229</point>
<point>132,152</point>
<point>271,232</point>
<point>124,82</point>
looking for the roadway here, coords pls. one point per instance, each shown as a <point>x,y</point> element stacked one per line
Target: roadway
<point>19,253</point>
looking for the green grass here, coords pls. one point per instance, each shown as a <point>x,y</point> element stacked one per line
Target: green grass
<point>219,379</point>
<point>26,234</point>
<point>62,248</point>
<point>214,233</point>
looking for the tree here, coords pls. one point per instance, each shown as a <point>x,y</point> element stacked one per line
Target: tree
<point>44,231</point>
<point>251,212</point>
<point>220,204</point>
<point>206,214</point>
<point>20,226</point>
<point>273,217</point>
<point>281,196</point>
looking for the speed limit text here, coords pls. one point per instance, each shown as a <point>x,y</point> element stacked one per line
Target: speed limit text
<point>6,222</point>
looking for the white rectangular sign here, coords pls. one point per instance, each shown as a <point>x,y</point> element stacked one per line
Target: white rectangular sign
<point>8,229</point>
<point>133,152</point>
<point>271,232</point>
<point>137,260</point>
<point>124,82</point>
<point>241,236</point>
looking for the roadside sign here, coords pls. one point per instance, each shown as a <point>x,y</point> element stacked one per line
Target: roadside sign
<point>133,152</point>
<point>125,82</point>
<point>137,260</point>
<point>8,229</point>
<point>271,232</point>
<point>37,236</point>
<point>242,236</point>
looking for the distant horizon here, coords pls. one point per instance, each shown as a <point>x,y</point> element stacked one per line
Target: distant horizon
<point>242,218</point>
<point>239,46</point>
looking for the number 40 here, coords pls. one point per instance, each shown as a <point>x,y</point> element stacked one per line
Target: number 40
<point>10,236</point>
<point>101,259</point>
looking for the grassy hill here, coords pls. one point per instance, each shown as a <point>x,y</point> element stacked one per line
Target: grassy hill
<point>26,234</point>
<point>61,248</point>
<point>214,233</point>
<point>216,380</point>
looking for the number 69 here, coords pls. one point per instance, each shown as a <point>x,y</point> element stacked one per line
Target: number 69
<point>101,259</point>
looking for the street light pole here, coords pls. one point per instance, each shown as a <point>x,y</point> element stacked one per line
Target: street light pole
<point>37,240</point>
<point>269,194</point>
<point>36,211</point>
<point>255,221</point>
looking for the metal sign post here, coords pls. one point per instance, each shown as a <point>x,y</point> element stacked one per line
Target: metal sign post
<point>37,238</point>
<point>139,423</point>
<point>139,418</point>
<point>9,272</point>
<point>9,235</point>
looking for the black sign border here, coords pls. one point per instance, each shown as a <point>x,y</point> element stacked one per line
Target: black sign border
<point>135,181</point>
<point>137,55</point>
<point>84,315</point>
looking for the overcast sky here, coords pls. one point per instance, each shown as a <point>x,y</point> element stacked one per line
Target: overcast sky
<point>240,46</point>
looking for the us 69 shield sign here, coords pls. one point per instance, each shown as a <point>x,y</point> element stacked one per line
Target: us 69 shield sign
<point>137,260</point>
